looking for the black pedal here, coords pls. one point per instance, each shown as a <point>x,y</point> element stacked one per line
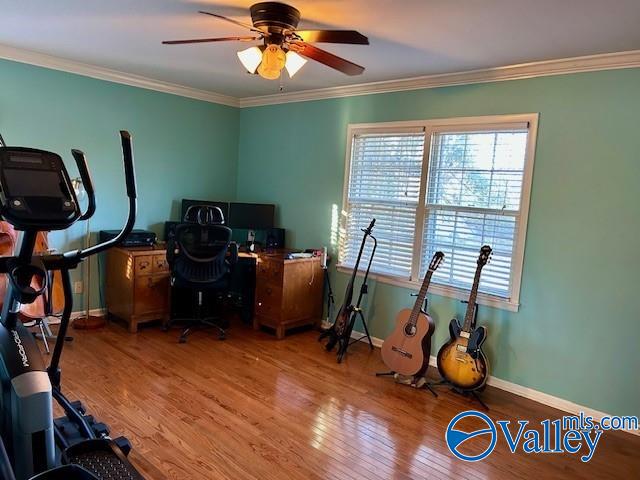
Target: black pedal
<point>103,458</point>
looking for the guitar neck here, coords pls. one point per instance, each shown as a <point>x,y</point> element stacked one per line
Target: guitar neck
<point>468,318</point>
<point>421,296</point>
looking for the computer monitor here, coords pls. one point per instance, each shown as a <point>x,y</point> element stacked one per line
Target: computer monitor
<point>254,216</point>
<point>186,203</point>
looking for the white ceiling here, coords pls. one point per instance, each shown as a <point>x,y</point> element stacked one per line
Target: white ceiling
<point>408,37</point>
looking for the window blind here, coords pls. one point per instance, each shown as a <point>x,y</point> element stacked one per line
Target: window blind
<point>384,183</point>
<point>474,190</point>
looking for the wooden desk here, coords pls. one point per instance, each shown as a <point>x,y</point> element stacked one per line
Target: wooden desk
<point>137,284</point>
<point>288,293</point>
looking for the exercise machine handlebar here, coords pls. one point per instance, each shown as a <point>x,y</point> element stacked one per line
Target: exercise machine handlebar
<point>85,176</point>
<point>130,179</point>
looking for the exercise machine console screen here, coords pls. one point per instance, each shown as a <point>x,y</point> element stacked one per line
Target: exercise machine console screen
<point>36,190</point>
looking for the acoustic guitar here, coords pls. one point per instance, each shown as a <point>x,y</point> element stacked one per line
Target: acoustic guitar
<point>406,351</point>
<point>461,360</point>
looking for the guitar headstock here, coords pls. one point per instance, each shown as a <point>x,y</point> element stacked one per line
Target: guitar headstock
<point>436,261</point>
<point>485,255</point>
<point>367,230</point>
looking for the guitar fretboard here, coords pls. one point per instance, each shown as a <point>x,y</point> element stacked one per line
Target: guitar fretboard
<point>473,296</point>
<point>421,296</point>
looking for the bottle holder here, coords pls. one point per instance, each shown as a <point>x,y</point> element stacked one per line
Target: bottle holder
<point>28,281</point>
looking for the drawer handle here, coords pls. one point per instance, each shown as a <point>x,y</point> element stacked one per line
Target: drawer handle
<point>143,265</point>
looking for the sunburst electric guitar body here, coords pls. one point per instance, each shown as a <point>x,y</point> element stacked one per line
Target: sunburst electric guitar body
<point>461,360</point>
<point>406,351</point>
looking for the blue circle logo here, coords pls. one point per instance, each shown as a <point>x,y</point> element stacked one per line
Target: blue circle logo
<point>455,438</point>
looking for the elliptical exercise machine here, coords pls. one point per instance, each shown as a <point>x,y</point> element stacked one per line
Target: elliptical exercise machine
<point>36,195</point>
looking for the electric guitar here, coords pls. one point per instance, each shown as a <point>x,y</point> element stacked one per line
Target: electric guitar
<point>406,351</point>
<point>461,360</point>
<point>337,333</point>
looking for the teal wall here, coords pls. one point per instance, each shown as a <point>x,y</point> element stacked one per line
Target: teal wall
<point>575,334</point>
<point>182,147</point>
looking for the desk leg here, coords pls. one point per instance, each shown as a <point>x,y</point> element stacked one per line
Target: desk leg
<point>256,324</point>
<point>133,326</point>
<point>280,332</point>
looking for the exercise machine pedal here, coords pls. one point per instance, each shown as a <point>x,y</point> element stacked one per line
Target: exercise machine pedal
<point>103,458</point>
<point>66,472</point>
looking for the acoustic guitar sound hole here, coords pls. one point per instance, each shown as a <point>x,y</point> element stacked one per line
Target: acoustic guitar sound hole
<point>410,330</point>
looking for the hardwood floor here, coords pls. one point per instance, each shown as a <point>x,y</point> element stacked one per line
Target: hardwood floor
<point>252,407</point>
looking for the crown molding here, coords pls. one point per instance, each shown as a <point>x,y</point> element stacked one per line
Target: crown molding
<point>101,73</point>
<point>590,63</point>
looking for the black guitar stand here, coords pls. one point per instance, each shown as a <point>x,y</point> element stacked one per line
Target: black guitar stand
<point>356,311</point>
<point>459,391</point>
<point>415,382</point>
<point>331,301</point>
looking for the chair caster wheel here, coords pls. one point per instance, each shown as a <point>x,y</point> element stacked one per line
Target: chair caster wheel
<point>165,328</point>
<point>182,340</point>
<point>222,336</point>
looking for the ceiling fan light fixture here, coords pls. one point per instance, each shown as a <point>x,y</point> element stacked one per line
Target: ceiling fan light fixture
<point>294,63</point>
<point>273,61</point>
<point>250,58</point>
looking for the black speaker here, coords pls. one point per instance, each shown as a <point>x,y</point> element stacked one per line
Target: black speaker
<point>275,238</point>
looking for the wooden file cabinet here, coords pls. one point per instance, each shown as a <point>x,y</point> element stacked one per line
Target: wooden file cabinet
<point>288,292</point>
<point>137,284</point>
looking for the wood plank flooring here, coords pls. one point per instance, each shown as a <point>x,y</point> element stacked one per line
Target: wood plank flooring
<point>252,407</point>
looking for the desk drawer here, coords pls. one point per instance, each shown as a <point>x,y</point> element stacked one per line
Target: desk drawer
<point>151,294</point>
<point>160,264</point>
<point>268,300</point>
<point>143,264</point>
<point>269,271</point>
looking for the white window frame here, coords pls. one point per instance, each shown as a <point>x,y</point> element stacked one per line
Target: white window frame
<point>430,127</point>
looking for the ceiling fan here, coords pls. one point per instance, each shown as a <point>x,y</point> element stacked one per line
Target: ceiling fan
<point>283,45</point>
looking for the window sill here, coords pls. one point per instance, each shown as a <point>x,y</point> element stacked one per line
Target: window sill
<point>442,290</point>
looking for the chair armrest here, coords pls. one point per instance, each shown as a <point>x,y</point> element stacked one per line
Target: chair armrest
<point>171,251</point>
<point>233,253</point>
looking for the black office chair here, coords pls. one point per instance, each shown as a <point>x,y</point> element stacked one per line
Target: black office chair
<point>201,257</point>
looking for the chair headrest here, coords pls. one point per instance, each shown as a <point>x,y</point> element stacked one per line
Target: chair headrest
<point>204,215</point>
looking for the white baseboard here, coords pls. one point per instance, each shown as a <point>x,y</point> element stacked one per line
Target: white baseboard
<point>98,312</point>
<point>521,391</point>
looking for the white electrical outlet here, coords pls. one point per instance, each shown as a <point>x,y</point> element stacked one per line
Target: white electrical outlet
<point>77,287</point>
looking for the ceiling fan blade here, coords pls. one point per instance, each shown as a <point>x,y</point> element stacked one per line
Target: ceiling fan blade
<point>333,36</point>
<point>326,58</point>
<point>222,17</point>
<point>207,40</point>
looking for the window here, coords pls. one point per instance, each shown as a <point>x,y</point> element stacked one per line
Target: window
<point>449,185</point>
<point>384,184</point>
